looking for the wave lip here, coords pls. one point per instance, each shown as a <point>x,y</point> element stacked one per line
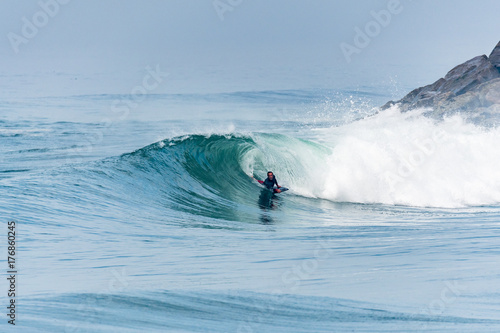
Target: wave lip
<point>407,159</point>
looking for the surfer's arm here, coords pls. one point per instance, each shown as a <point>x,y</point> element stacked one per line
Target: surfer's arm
<point>260,181</point>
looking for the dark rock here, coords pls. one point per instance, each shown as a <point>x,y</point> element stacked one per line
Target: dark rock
<point>483,98</point>
<point>495,56</point>
<point>471,78</point>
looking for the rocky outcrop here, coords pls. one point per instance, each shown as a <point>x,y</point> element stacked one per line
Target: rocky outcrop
<point>473,85</point>
<point>483,100</point>
<point>495,56</point>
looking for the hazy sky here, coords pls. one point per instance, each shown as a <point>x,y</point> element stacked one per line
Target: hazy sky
<point>124,36</point>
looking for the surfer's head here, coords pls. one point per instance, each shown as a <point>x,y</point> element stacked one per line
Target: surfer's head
<point>270,175</point>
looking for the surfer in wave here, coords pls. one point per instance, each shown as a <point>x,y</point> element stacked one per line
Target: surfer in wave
<point>269,182</point>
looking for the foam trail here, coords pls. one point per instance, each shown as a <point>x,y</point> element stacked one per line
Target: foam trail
<point>407,159</point>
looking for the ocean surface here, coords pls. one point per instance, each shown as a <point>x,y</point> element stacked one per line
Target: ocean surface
<point>139,213</point>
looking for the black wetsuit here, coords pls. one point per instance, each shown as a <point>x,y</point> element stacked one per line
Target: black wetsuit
<point>270,183</point>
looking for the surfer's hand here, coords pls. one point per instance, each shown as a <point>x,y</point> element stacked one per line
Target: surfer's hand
<point>278,191</point>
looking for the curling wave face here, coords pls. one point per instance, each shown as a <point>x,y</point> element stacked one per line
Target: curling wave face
<point>391,158</point>
<point>206,175</point>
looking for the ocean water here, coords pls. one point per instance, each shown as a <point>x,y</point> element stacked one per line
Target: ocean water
<point>145,217</point>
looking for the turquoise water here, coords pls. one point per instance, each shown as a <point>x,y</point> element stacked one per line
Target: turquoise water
<point>150,221</point>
